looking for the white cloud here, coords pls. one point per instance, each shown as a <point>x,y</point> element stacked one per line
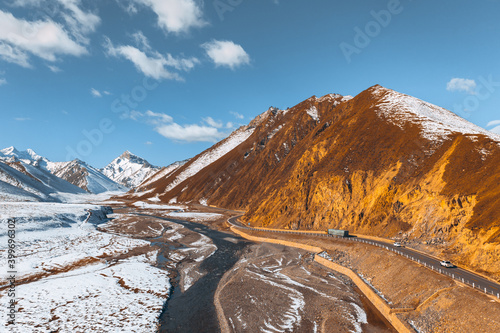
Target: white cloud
<point>226,53</point>
<point>191,133</point>
<point>13,55</point>
<point>152,63</point>
<point>77,20</point>
<point>495,129</point>
<point>2,82</point>
<point>80,22</point>
<point>54,69</point>
<point>131,9</point>
<point>237,115</point>
<point>493,123</point>
<point>184,64</point>
<point>141,41</point>
<point>134,115</point>
<point>465,85</point>
<point>165,126</point>
<point>211,122</point>
<point>95,92</point>
<point>24,3</point>
<point>177,16</point>
<point>22,119</point>
<point>148,143</point>
<point>44,39</point>
<point>150,66</point>
<point>158,118</point>
<point>105,92</point>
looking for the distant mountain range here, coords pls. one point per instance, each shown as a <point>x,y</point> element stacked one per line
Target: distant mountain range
<point>25,175</point>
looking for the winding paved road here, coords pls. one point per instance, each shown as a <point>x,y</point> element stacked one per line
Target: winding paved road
<point>476,281</point>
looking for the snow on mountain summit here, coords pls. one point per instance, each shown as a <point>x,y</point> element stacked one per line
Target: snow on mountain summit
<point>436,122</point>
<point>29,156</point>
<point>129,170</point>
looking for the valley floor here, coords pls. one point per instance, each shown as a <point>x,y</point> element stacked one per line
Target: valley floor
<point>79,272</point>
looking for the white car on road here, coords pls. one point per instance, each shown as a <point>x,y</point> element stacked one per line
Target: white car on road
<point>446,263</point>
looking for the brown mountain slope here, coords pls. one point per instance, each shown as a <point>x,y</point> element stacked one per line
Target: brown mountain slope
<point>237,178</point>
<point>382,164</point>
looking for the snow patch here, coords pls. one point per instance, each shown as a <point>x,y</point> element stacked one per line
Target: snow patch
<point>145,205</point>
<point>313,113</point>
<point>200,217</point>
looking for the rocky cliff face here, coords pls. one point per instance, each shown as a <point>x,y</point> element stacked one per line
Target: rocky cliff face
<point>381,163</point>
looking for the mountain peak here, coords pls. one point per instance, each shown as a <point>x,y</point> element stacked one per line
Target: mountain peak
<point>9,151</point>
<point>28,156</point>
<point>435,123</point>
<point>128,155</point>
<point>129,169</point>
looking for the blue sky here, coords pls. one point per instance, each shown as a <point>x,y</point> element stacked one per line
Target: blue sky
<point>166,79</point>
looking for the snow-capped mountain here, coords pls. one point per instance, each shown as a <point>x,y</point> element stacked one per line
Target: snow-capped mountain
<point>85,176</point>
<point>25,182</point>
<point>27,157</point>
<point>129,170</point>
<point>74,172</point>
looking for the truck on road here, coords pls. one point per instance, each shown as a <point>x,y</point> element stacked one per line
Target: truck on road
<point>336,232</point>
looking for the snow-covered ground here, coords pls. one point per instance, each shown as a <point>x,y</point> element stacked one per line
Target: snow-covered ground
<point>199,251</point>
<point>125,297</point>
<point>87,197</point>
<point>197,217</point>
<point>279,291</point>
<point>145,205</point>
<point>69,276</point>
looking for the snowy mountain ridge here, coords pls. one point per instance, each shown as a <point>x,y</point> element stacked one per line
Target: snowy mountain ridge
<point>25,182</point>
<point>85,176</point>
<point>37,167</point>
<point>29,156</point>
<point>436,122</point>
